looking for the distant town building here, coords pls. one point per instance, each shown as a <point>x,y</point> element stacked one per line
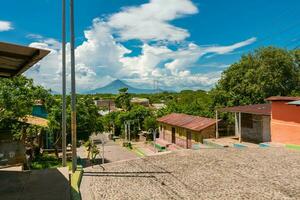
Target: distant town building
<point>140,101</point>
<point>106,104</point>
<point>186,130</point>
<point>158,106</point>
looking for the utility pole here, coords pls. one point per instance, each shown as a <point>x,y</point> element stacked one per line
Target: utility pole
<point>63,142</point>
<point>73,89</point>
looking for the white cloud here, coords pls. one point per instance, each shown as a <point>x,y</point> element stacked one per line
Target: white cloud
<point>228,49</point>
<point>150,21</point>
<point>102,57</point>
<point>5,26</point>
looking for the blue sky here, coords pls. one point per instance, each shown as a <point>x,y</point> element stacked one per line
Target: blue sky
<point>181,43</point>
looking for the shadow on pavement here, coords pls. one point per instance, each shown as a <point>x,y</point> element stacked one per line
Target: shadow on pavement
<point>49,184</point>
<point>145,174</point>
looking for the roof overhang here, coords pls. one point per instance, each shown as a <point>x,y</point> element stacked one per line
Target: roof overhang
<point>282,98</point>
<point>16,59</point>
<point>297,103</point>
<point>256,109</point>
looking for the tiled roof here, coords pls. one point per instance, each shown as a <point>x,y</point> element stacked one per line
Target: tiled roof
<point>190,122</point>
<point>257,109</point>
<point>280,98</point>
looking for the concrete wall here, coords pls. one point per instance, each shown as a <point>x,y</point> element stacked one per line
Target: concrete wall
<point>181,135</point>
<point>255,128</point>
<point>285,123</point>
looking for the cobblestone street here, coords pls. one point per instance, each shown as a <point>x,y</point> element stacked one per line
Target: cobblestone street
<point>252,173</point>
<point>113,153</point>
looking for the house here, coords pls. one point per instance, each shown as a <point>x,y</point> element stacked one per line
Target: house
<point>106,104</point>
<point>185,130</point>
<point>285,119</point>
<point>252,122</point>
<point>140,101</point>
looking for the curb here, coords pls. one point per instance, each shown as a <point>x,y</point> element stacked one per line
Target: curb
<point>75,183</point>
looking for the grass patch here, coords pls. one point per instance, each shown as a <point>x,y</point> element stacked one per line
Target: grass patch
<point>293,146</point>
<point>75,183</point>
<point>47,161</point>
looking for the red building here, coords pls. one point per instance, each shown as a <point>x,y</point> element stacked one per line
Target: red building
<point>285,120</point>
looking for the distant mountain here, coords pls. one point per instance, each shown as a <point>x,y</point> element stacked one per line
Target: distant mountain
<point>114,86</point>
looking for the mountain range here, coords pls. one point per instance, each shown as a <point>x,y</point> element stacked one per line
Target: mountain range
<point>114,86</point>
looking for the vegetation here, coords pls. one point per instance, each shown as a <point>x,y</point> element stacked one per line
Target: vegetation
<point>265,72</point>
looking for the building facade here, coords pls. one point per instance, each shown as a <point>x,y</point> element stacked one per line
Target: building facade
<point>186,130</point>
<point>285,120</point>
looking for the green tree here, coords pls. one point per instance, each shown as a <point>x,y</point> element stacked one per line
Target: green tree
<point>123,99</point>
<point>267,72</point>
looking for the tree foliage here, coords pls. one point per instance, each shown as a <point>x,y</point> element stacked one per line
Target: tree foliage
<point>123,99</point>
<point>267,72</point>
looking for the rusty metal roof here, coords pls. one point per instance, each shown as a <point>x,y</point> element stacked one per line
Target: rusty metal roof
<point>190,122</point>
<point>281,98</point>
<point>257,109</point>
<point>16,59</point>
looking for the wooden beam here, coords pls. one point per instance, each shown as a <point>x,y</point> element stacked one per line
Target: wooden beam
<point>28,61</point>
<point>14,55</point>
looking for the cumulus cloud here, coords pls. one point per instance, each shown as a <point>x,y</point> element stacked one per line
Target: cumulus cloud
<point>5,26</point>
<point>150,21</point>
<point>102,56</point>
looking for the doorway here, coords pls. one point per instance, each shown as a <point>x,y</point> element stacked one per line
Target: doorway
<point>173,135</point>
<point>188,140</point>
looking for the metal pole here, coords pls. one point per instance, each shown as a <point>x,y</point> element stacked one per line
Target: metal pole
<point>73,89</point>
<point>217,125</point>
<point>129,131</point>
<point>63,142</point>
<point>240,127</point>
<point>154,140</point>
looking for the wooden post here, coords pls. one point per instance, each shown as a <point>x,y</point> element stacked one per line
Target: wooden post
<point>240,127</point>
<point>236,123</point>
<point>217,127</point>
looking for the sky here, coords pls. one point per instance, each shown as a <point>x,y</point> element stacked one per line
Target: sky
<point>180,44</point>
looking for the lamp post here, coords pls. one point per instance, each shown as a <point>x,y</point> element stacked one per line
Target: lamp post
<point>73,89</point>
<point>63,142</point>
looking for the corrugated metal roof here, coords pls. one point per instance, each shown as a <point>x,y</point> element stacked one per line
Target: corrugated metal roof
<point>190,122</point>
<point>281,98</point>
<point>33,120</point>
<point>16,59</point>
<point>294,103</point>
<point>257,109</point>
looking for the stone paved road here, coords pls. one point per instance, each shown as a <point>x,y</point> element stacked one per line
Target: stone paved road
<point>112,153</point>
<point>251,173</point>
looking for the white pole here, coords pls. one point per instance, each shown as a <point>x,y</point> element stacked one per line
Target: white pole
<point>240,127</point>
<point>236,123</point>
<point>217,125</point>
